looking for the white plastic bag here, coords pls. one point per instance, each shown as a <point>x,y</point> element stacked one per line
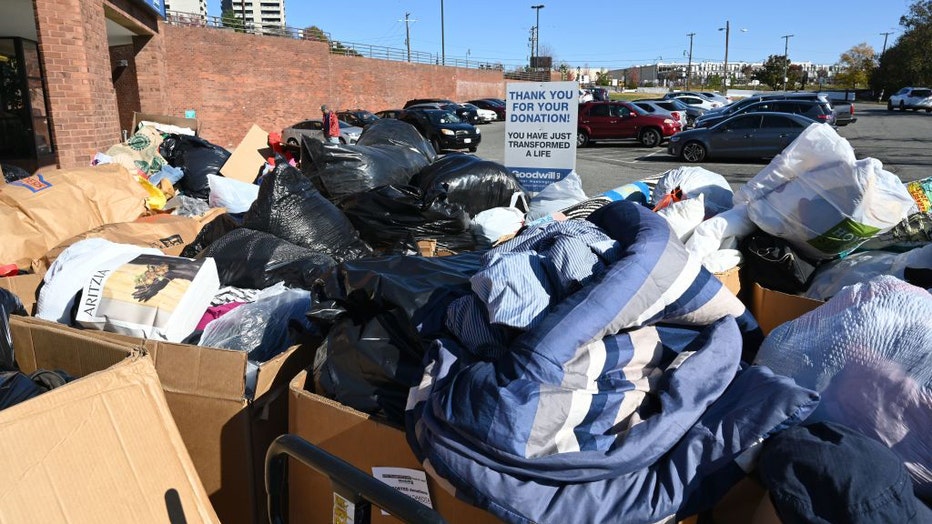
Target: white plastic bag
<point>492,224</point>
<point>234,195</point>
<point>684,216</point>
<point>557,196</point>
<point>831,277</point>
<point>817,197</point>
<point>693,181</point>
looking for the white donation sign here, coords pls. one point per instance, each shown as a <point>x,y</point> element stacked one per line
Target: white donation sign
<point>540,132</point>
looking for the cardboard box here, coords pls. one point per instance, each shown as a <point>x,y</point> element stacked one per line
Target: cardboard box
<point>26,287</point>
<point>248,157</point>
<point>362,441</point>
<point>226,424</point>
<point>191,123</point>
<point>732,279</point>
<point>772,308</point>
<point>102,448</point>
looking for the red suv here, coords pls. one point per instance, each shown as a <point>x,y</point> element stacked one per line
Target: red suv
<point>620,120</point>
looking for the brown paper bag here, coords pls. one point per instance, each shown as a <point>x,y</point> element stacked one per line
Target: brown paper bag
<point>169,233</point>
<point>38,212</point>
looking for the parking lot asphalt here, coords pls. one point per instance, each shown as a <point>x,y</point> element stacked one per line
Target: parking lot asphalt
<point>902,141</point>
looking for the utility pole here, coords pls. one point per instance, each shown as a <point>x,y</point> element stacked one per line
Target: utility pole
<point>689,67</point>
<point>786,58</point>
<point>408,33</point>
<point>885,35</point>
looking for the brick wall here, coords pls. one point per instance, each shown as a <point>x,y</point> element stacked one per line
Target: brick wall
<point>73,44</point>
<point>234,80</point>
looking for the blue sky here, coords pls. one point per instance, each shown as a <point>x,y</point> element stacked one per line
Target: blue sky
<point>606,34</point>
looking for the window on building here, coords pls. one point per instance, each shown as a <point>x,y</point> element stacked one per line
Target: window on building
<point>25,132</point>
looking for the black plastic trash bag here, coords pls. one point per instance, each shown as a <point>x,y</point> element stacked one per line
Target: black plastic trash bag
<point>210,233</point>
<point>467,180</point>
<point>775,264</point>
<point>11,303</point>
<point>389,217</point>
<point>290,208</point>
<point>197,158</point>
<point>252,259</point>
<point>13,173</point>
<point>394,132</point>
<point>380,315</point>
<point>339,170</point>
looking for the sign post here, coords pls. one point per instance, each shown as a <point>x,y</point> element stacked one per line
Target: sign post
<point>540,132</point>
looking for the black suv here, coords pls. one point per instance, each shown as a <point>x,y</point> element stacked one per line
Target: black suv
<point>357,117</point>
<point>815,109</point>
<point>443,128</point>
<point>466,115</point>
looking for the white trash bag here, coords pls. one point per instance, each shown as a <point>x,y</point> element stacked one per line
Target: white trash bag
<point>816,196</point>
<point>693,181</point>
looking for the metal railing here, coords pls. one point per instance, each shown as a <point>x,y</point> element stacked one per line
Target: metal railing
<point>336,47</point>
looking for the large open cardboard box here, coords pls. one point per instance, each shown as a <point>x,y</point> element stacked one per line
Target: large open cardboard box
<point>103,448</point>
<point>364,442</point>
<point>226,423</point>
<point>226,426</point>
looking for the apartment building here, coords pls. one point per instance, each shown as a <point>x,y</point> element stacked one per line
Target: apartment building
<point>263,15</point>
<point>190,7</point>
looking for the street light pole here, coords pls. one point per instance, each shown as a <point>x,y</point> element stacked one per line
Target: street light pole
<point>689,67</point>
<point>725,77</point>
<point>786,58</point>
<point>443,49</point>
<point>536,50</point>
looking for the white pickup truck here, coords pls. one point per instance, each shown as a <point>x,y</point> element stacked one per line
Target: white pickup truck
<point>914,98</point>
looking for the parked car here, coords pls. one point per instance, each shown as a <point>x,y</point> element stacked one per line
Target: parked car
<point>732,109</point>
<point>443,128</point>
<point>751,135</point>
<point>844,112</point>
<point>715,96</point>
<point>491,105</point>
<point>814,109</point>
<point>672,104</point>
<point>466,114</point>
<point>598,93</point>
<point>349,134</point>
<point>914,98</point>
<point>357,117</point>
<point>655,108</point>
<point>622,120</point>
<point>389,113</point>
<point>416,101</point>
<point>485,115</point>
<point>674,94</point>
<point>698,101</point>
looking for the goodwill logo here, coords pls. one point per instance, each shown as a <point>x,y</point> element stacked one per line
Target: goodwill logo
<point>540,133</point>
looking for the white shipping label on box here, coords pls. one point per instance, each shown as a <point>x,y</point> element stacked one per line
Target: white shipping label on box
<point>411,482</point>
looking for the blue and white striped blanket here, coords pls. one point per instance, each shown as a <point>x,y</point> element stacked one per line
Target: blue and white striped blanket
<point>624,401</point>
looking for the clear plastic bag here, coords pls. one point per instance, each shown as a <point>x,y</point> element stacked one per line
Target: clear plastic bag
<point>263,328</point>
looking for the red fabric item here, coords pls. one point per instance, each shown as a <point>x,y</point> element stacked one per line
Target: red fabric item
<point>216,312</point>
<point>9,270</point>
<point>673,196</point>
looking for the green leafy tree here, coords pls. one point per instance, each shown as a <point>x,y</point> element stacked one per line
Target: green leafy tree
<point>856,64</point>
<point>229,19</point>
<point>907,61</point>
<point>771,73</point>
<point>602,78</point>
<point>795,77</point>
<point>314,33</point>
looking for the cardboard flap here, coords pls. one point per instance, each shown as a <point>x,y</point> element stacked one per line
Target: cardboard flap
<point>100,449</point>
<point>38,345</point>
<point>26,287</point>
<point>281,369</point>
<point>248,157</point>
<point>183,368</point>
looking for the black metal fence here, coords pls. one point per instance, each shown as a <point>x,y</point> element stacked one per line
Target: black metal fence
<point>336,47</point>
